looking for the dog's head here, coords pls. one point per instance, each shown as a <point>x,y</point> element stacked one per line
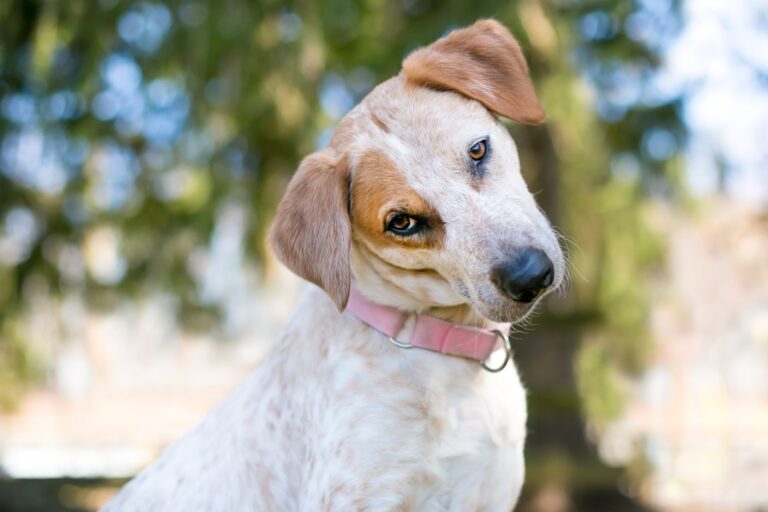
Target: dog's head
<point>419,194</point>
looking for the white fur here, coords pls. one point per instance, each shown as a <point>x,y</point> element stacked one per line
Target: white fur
<point>338,418</point>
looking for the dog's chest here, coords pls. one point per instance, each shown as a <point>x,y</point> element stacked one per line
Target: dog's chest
<point>476,438</point>
<point>408,428</point>
<point>338,419</point>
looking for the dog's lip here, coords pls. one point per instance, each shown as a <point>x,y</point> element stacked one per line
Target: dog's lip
<point>517,316</point>
<point>504,310</point>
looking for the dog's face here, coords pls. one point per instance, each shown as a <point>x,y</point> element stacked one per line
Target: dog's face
<point>420,196</point>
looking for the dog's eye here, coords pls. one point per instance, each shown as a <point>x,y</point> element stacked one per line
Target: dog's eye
<point>402,224</point>
<point>477,150</point>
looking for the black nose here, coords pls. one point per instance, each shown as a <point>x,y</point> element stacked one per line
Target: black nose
<point>524,276</point>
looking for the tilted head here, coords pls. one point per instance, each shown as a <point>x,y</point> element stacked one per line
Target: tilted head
<point>419,195</point>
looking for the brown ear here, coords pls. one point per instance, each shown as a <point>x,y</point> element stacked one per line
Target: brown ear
<point>482,62</point>
<point>311,233</point>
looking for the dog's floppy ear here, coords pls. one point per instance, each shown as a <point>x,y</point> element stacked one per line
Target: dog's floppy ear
<point>482,62</point>
<point>311,234</point>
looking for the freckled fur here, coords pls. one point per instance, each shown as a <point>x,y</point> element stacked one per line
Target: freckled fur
<point>337,418</point>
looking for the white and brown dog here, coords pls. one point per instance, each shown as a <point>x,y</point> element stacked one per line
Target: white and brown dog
<point>417,215</point>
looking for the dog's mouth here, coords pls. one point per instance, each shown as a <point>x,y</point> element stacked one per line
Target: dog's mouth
<point>494,306</point>
<point>506,312</point>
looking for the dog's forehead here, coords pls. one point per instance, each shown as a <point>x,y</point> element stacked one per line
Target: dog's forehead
<point>424,118</point>
<point>425,133</point>
<point>411,122</point>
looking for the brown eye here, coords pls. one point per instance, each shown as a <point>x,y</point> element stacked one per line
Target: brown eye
<point>401,222</point>
<point>403,225</point>
<point>477,150</point>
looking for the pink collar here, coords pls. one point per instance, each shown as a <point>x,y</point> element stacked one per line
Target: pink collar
<point>429,332</point>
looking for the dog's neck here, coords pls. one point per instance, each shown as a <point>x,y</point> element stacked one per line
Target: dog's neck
<point>460,314</point>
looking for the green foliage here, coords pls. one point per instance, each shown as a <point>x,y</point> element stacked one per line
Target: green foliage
<point>599,382</point>
<point>17,368</point>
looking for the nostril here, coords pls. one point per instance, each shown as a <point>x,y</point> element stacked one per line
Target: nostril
<point>524,276</point>
<point>526,295</point>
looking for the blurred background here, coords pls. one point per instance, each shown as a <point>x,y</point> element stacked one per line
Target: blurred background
<point>143,147</point>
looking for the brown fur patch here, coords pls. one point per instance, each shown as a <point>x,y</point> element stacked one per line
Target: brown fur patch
<point>482,62</point>
<point>379,188</point>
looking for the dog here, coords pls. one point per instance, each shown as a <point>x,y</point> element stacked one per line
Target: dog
<point>421,243</point>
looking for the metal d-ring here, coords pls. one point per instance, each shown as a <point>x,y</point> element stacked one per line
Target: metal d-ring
<point>400,344</point>
<point>507,353</point>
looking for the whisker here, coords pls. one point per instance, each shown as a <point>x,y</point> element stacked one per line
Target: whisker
<point>567,243</point>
